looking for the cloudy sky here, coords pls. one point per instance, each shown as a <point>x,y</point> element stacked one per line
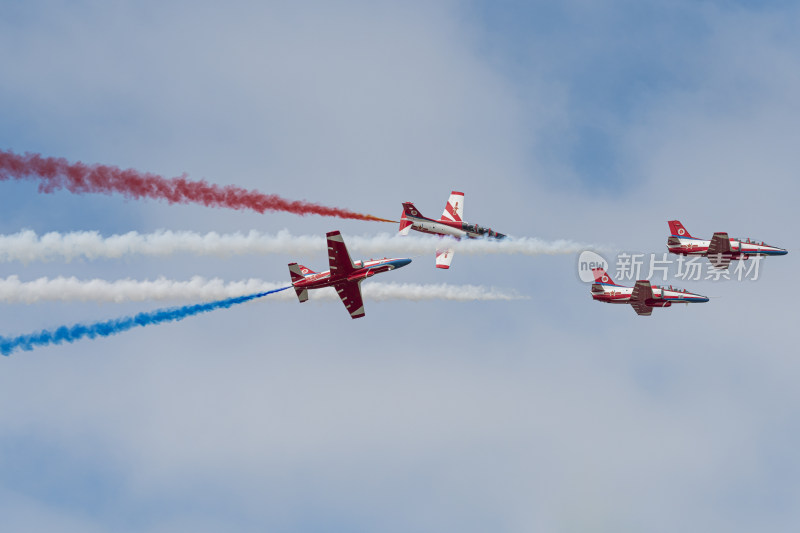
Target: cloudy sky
<point>595,122</point>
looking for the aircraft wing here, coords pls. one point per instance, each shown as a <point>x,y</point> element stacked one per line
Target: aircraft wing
<point>454,209</point>
<point>350,293</point>
<point>718,250</point>
<point>443,257</point>
<point>339,257</point>
<point>642,292</point>
<point>720,244</point>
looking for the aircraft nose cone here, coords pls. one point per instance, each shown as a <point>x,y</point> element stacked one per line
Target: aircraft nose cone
<point>703,299</point>
<point>782,252</point>
<point>401,263</point>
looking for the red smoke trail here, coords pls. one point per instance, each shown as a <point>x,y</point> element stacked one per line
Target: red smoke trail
<point>58,173</point>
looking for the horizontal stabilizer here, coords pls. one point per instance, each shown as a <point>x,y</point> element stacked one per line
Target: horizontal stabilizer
<point>302,294</point>
<point>295,272</point>
<point>405,224</point>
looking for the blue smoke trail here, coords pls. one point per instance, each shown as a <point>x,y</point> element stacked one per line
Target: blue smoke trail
<point>118,325</point>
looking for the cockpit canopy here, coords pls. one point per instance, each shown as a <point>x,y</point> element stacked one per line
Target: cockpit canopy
<point>480,230</point>
<point>753,241</point>
<point>675,289</point>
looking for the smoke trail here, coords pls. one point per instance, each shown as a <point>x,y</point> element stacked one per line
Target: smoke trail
<point>12,290</point>
<point>438,291</point>
<point>27,246</point>
<point>118,325</point>
<point>57,173</point>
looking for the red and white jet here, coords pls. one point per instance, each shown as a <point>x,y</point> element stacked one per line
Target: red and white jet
<point>643,296</point>
<point>451,224</point>
<point>720,250</point>
<point>345,275</point>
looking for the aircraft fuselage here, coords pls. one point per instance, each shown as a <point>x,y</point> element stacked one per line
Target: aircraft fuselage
<point>662,297</point>
<point>364,270</point>
<point>451,228</point>
<point>739,249</point>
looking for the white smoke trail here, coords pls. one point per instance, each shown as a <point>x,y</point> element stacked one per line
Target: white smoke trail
<point>12,290</point>
<point>27,246</point>
<point>438,291</point>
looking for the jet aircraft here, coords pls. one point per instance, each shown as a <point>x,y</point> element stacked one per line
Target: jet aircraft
<point>720,250</point>
<point>344,275</point>
<point>643,296</point>
<point>451,224</point>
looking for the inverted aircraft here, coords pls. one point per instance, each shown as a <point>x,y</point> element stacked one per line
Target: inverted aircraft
<point>643,296</point>
<point>451,224</point>
<point>720,250</point>
<point>345,275</point>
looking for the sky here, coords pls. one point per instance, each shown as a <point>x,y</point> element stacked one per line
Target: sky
<point>594,122</point>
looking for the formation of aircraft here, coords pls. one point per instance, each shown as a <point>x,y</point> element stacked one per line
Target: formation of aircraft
<point>451,224</point>
<point>720,250</point>
<point>642,297</point>
<point>344,275</point>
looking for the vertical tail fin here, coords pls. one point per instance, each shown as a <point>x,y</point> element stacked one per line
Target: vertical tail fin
<point>677,229</point>
<point>600,276</point>
<point>410,211</point>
